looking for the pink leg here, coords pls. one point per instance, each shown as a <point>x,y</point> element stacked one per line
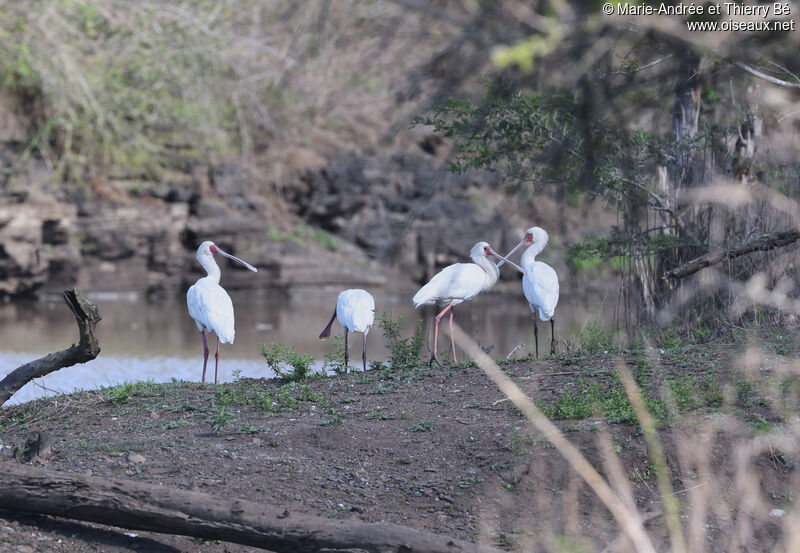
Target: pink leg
<point>452,338</point>
<point>205,354</point>
<point>216,365</point>
<point>436,333</point>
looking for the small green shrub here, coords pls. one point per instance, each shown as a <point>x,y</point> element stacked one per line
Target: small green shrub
<point>668,339</point>
<point>281,356</point>
<point>220,418</point>
<point>422,426</point>
<point>122,393</point>
<point>334,360</point>
<point>594,339</point>
<point>403,352</point>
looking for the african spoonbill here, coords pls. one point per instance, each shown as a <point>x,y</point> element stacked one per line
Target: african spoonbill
<point>209,304</point>
<point>540,284</point>
<point>355,310</point>
<point>458,283</point>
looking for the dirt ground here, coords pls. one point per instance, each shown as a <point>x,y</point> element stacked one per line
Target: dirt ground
<point>438,449</point>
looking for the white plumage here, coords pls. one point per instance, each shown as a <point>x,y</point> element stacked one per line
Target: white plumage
<point>209,304</point>
<point>458,283</point>
<point>355,311</point>
<point>539,284</point>
<point>211,308</point>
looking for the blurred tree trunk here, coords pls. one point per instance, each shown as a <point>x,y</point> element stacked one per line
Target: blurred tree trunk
<point>683,169</point>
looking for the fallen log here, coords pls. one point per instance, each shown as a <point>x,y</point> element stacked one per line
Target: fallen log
<point>87,316</point>
<point>764,242</point>
<point>138,506</point>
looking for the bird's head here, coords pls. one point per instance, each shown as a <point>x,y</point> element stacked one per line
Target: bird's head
<point>537,235</point>
<point>208,248</point>
<point>486,250</point>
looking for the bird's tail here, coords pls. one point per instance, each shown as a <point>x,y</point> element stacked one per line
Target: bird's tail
<point>326,333</point>
<point>422,297</point>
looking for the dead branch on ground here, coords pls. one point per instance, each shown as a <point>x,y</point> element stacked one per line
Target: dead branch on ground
<point>139,506</point>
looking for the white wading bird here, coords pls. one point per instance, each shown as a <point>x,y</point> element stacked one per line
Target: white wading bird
<point>459,283</point>
<point>355,310</point>
<point>209,304</point>
<point>539,283</point>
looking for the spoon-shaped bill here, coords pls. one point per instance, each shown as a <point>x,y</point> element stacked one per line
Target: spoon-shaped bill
<point>515,248</point>
<point>245,263</point>
<point>504,260</point>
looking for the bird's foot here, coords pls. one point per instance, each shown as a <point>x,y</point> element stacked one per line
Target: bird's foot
<point>434,360</point>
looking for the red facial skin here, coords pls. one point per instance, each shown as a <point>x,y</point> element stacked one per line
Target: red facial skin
<point>213,248</point>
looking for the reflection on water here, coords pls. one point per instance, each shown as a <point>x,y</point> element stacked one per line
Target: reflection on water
<point>143,340</point>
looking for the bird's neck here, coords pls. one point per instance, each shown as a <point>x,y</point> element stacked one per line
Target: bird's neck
<point>529,257</point>
<point>491,270</point>
<point>211,267</point>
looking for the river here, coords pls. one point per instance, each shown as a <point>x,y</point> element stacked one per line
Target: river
<point>144,340</point>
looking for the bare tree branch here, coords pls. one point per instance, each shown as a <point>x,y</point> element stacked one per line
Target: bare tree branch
<point>764,242</point>
<point>87,316</point>
<point>768,78</point>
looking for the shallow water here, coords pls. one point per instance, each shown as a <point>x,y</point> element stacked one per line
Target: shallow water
<point>157,341</point>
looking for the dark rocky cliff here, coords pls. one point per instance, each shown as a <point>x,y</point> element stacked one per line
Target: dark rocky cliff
<point>357,218</point>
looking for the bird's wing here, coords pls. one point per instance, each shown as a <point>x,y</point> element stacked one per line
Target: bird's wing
<point>461,281</point>
<point>194,305</point>
<point>355,310</point>
<point>540,285</point>
<point>211,306</point>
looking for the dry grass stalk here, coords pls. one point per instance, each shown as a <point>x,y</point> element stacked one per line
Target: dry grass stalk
<point>629,520</point>
<point>657,458</point>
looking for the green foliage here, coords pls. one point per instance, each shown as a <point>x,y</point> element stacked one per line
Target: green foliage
<point>425,425</point>
<point>180,423</point>
<point>286,397</point>
<point>607,400</point>
<point>523,53</point>
<point>334,360</point>
<point>508,127</point>
<point>668,339</point>
<point>124,93</point>
<point>380,415</point>
<point>519,443</point>
<point>614,252</point>
<point>122,393</point>
<point>690,393</point>
<point>279,356</point>
<point>403,352</point>
<point>594,339</point>
<point>220,418</point>
<point>335,420</point>
<point>303,233</point>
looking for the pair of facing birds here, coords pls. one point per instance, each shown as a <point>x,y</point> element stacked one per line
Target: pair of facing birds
<point>212,309</point>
